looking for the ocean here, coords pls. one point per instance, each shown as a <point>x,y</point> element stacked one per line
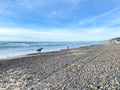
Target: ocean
<point>13,49</point>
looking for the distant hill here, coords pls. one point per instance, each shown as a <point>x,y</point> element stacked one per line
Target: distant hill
<point>117,39</point>
<point>113,40</point>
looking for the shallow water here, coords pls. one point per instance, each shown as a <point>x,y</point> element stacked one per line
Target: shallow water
<point>11,49</point>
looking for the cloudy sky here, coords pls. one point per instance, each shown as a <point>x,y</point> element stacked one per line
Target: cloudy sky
<point>59,20</point>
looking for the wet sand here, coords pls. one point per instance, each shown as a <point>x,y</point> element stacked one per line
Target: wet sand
<point>95,67</point>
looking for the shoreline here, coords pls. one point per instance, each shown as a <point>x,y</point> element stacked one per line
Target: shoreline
<point>93,67</point>
<point>29,54</point>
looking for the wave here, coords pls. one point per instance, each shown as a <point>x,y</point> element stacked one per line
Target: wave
<point>21,48</point>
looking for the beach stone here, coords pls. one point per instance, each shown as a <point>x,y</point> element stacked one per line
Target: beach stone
<point>89,68</point>
<point>2,88</point>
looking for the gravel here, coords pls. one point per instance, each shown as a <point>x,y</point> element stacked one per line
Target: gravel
<point>95,67</point>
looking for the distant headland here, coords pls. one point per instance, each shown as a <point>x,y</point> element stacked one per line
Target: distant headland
<point>113,40</point>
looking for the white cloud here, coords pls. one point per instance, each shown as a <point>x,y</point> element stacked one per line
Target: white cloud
<point>31,5</point>
<point>40,7</point>
<point>51,34</point>
<point>107,13</point>
<point>96,31</point>
<point>41,4</point>
<point>95,18</point>
<point>115,21</point>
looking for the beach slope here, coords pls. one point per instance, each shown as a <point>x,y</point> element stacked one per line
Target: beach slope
<point>95,67</point>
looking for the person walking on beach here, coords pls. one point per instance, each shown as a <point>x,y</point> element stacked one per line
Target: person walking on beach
<point>67,47</point>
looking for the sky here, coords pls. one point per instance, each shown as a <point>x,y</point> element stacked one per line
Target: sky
<point>59,20</point>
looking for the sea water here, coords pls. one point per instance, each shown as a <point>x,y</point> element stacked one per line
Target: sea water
<point>12,49</point>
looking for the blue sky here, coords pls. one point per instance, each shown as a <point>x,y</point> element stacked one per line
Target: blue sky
<point>59,20</point>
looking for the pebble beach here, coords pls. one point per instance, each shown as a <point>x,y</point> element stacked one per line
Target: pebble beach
<point>95,67</point>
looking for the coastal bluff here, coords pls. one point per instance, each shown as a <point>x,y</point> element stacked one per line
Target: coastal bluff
<point>113,40</point>
<point>95,67</point>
